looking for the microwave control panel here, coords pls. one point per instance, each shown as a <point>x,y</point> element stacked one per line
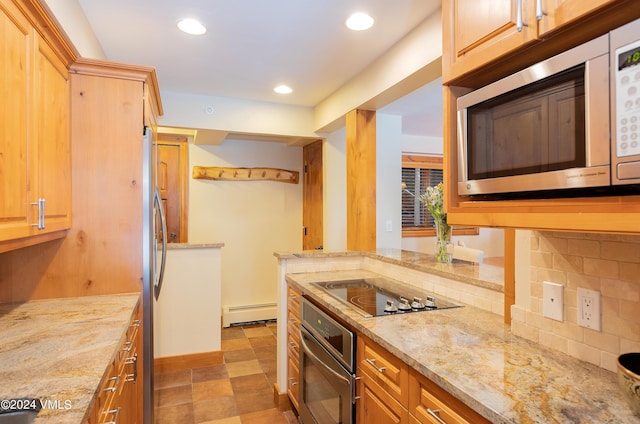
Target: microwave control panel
<point>627,82</point>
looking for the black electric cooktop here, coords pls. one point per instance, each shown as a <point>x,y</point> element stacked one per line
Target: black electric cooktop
<point>378,297</point>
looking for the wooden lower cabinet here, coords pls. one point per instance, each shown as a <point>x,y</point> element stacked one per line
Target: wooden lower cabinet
<point>376,405</point>
<point>431,404</point>
<point>293,344</point>
<point>117,399</point>
<point>391,392</point>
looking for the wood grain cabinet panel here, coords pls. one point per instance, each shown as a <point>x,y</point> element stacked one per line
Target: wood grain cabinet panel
<point>385,369</point>
<point>35,150</point>
<point>477,33</point>
<point>117,399</point>
<point>428,403</point>
<point>293,344</point>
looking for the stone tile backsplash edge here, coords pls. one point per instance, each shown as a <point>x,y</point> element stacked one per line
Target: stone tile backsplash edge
<point>609,264</point>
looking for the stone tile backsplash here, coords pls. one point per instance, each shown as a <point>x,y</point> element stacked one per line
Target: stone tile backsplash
<point>609,264</point>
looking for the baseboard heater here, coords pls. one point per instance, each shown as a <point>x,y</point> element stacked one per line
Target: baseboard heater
<point>248,313</point>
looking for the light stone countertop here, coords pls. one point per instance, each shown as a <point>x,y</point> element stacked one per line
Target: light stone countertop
<point>481,275</point>
<point>57,350</point>
<point>194,245</point>
<point>472,354</point>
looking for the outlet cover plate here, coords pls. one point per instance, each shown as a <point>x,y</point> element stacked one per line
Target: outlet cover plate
<point>553,300</point>
<point>589,309</point>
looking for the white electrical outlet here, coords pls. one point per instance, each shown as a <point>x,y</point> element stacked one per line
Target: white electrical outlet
<point>389,225</point>
<point>552,300</point>
<point>589,309</point>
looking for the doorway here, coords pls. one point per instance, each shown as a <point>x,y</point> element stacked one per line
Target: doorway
<point>312,197</point>
<point>172,184</point>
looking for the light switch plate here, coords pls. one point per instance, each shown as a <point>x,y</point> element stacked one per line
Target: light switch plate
<point>553,300</point>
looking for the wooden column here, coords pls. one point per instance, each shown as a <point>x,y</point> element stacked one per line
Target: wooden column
<point>509,272</point>
<point>361,180</point>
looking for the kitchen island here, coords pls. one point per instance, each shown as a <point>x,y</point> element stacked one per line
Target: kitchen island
<point>56,351</point>
<point>472,355</point>
<point>468,352</point>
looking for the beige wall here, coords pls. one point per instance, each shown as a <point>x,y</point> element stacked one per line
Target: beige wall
<point>609,264</point>
<point>252,218</point>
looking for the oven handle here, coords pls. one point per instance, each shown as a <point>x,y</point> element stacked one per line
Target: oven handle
<point>308,351</point>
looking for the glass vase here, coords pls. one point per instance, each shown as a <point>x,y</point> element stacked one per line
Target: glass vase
<point>443,245</point>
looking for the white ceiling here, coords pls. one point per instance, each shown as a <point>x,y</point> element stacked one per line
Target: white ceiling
<point>253,45</point>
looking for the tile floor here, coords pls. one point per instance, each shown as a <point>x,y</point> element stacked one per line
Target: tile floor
<point>240,391</point>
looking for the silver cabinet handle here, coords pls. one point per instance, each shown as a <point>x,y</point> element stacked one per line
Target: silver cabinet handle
<point>293,345</point>
<point>40,224</point>
<point>132,378</point>
<point>519,21</point>
<point>113,388</point>
<point>373,364</point>
<point>539,12</point>
<point>128,346</point>
<point>115,413</point>
<point>434,414</point>
<point>292,382</point>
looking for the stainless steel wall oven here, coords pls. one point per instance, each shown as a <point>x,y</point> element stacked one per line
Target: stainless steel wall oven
<point>327,368</point>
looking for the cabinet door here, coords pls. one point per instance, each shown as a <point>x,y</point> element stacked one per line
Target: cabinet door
<point>478,32</point>
<point>50,139</point>
<point>376,406</point>
<point>14,209</point>
<point>561,12</point>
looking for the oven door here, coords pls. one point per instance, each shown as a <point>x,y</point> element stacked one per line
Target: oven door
<point>327,389</point>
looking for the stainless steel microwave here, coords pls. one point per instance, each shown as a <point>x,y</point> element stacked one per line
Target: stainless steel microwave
<point>571,122</point>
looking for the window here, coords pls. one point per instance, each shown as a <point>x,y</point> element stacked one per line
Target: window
<point>418,173</point>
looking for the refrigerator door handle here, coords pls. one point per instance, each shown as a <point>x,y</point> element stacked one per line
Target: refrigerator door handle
<point>157,203</point>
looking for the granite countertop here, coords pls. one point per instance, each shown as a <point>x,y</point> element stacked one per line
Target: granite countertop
<point>171,246</point>
<point>472,354</point>
<point>482,275</point>
<point>57,351</point>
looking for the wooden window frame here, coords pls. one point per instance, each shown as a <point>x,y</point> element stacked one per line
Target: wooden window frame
<point>430,162</point>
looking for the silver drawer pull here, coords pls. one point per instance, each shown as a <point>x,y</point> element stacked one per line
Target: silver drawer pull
<point>113,388</point>
<point>115,413</point>
<point>293,345</point>
<point>372,362</point>
<point>434,413</point>
<point>129,345</point>
<point>135,323</point>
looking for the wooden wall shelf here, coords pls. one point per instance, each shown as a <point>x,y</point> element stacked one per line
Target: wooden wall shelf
<point>245,174</point>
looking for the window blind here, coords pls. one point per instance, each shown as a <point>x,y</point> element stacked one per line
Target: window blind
<point>414,213</point>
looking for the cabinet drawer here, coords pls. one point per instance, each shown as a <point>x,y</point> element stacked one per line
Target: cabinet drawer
<point>293,301</point>
<point>428,401</point>
<point>293,346</point>
<point>292,382</point>
<point>376,405</point>
<point>388,371</point>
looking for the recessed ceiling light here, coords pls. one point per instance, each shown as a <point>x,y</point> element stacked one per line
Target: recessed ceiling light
<point>191,26</point>
<point>359,21</point>
<point>283,89</point>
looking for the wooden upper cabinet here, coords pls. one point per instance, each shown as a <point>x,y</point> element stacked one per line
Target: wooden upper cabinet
<point>14,179</point>
<point>557,13</point>
<point>35,169</point>
<point>477,33</point>
<point>481,45</point>
<point>51,144</point>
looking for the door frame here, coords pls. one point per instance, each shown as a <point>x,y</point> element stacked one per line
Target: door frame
<point>183,144</point>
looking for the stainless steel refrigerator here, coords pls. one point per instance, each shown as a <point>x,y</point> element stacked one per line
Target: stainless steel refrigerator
<point>154,250</point>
